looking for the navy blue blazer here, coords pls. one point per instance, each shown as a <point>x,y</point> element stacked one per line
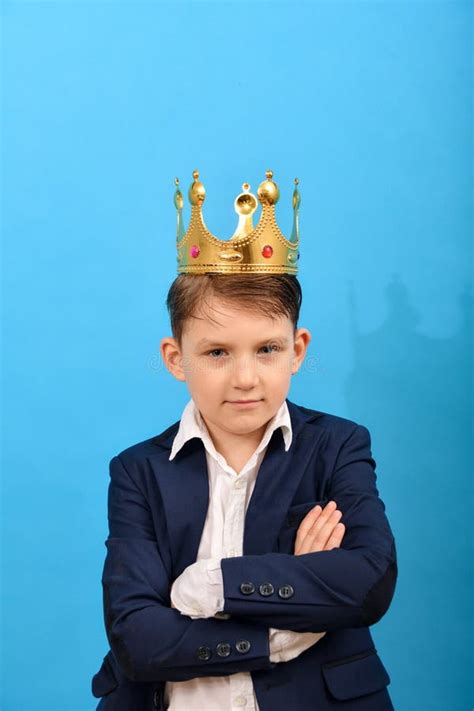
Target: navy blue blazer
<point>156,511</point>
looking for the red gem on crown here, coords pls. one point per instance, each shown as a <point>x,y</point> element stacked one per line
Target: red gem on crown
<point>267,251</point>
<point>195,251</point>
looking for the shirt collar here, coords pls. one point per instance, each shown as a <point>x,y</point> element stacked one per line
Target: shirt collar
<point>192,425</point>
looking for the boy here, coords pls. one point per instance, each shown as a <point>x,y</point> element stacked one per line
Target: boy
<point>248,549</point>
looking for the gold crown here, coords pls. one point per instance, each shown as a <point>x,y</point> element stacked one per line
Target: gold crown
<point>250,249</point>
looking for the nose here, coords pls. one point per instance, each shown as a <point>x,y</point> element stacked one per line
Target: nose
<point>244,373</point>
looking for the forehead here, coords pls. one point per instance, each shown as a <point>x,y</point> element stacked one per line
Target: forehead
<point>226,322</point>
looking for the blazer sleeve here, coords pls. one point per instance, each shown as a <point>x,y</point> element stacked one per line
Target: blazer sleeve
<point>350,586</point>
<point>151,640</point>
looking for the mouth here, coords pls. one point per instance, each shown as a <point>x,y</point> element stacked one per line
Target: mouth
<point>243,403</point>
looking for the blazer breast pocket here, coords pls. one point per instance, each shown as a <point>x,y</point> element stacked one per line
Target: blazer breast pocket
<point>297,512</point>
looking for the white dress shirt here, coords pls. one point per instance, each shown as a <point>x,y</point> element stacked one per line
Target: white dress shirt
<point>198,591</point>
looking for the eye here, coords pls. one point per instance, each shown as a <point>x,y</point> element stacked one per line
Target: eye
<point>273,346</point>
<point>216,350</point>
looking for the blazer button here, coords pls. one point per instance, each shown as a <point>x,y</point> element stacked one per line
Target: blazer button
<point>266,589</point>
<point>156,699</point>
<point>204,653</point>
<point>286,591</point>
<point>247,588</point>
<point>223,649</point>
<point>242,646</point>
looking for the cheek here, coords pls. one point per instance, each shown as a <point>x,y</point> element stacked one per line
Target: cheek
<point>195,369</point>
<point>206,378</point>
<point>280,372</point>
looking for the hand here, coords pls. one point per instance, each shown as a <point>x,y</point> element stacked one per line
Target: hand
<point>320,530</point>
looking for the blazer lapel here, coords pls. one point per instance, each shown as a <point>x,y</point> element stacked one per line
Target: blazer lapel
<point>184,486</point>
<point>277,481</point>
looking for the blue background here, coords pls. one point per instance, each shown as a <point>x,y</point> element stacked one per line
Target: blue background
<point>104,103</point>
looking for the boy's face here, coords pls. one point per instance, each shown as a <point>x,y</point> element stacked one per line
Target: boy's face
<point>245,356</point>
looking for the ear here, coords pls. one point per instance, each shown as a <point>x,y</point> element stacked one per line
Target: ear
<point>302,340</point>
<point>172,357</point>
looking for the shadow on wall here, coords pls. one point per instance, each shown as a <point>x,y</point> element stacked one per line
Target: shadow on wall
<point>414,393</point>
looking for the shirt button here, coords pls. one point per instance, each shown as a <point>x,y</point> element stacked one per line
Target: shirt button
<point>239,483</point>
<point>231,552</point>
<point>240,701</point>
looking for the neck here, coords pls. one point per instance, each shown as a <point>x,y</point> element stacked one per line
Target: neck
<point>235,448</point>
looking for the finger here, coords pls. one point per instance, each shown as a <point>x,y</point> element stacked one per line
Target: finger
<point>327,530</point>
<point>308,530</point>
<point>314,515</point>
<point>325,523</point>
<point>308,521</point>
<point>335,539</point>
<point>318,536</point>
<point>311,524</point>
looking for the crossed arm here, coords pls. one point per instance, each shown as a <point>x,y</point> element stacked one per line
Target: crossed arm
<point>344,587</point>
<point>198,591</point>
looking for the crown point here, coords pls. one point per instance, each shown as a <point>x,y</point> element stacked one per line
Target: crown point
<point>246,187</point>
<point>178,200</point>
<point>176,181</point>
<point>197,191</point>
<point>296,181</point>
<point>268,191</point>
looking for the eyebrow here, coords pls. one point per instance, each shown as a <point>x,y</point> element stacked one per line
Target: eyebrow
<point>205,342</point>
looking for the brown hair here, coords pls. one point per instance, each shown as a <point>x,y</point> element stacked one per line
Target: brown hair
<point>272,294</point>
